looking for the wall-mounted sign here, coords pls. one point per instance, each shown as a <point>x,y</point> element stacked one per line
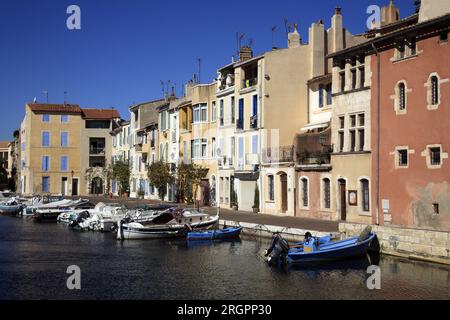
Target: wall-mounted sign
<point>353,197</point>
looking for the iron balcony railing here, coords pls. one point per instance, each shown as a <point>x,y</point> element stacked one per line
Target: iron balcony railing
<point>278,155</point>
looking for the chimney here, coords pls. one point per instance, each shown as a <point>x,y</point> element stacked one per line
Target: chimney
<point>294,39</point>
<point>389,14</point>
<point>245,53</point>
<point>337,31</point>
<point>317,40</point>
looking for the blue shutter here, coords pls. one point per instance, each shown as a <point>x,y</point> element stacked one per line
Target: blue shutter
<point>45,163</point>
<point>64,139</point>
<point>255,105</point>
<point>320,95</point>
<point>45,118</point>
<point>64,163</point>
<point>46,139</point>
<point>46,184</point>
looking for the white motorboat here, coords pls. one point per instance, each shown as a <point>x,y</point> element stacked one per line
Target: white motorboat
<point>50,212</point>
<point>170,223</point>
<point>103,217</point>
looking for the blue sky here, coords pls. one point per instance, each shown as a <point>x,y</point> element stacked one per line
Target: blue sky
<point>126,47</point>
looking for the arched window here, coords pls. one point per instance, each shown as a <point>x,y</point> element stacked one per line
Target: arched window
<point>326,193</point>
<point>365,195</point>
<point>304,191</point>
<point>434,90</point>
<point>402,96</point>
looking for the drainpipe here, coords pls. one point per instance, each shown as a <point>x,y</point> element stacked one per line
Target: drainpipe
<point>377,177</point>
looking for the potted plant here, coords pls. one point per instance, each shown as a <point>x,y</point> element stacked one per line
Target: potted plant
<point>256,200</point>
<point>234,200</point>
<point>141,194</point>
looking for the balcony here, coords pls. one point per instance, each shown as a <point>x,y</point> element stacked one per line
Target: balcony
<point>96,150</point>
<point>248,83</point>
<point>313,149</point>
<point>278,155</point>
<point>251,159</point>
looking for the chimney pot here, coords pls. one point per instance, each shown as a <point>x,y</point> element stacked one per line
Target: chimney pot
<point>338,10</point>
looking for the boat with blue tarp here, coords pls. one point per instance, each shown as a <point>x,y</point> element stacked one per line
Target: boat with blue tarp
<point>227,233</point>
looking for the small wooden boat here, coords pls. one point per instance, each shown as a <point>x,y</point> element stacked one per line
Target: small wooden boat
<point>312,250</point>
<point>227,233</point>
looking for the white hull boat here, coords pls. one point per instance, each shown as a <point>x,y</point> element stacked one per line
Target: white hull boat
<point>174,227</point>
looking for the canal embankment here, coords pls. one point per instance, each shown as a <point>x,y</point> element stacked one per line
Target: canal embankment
<point>415,244</point>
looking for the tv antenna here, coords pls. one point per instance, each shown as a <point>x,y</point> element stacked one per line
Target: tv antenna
<point>273,36</point>
<point>199,60</point>
<point>46,95</point>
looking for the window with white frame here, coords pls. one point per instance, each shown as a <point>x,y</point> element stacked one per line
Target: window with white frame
<point>326,192</point>
<point>304,189</point>
<point>271,187</point>
<point>365,193</point>
<point>213,111</point>
<point>200,113</point>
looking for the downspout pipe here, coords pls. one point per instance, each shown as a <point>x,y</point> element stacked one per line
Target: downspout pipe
<point>377,154</point>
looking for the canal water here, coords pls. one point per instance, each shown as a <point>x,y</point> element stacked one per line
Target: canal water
<point>34,259</point>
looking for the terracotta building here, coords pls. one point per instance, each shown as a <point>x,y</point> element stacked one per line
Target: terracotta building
<point>410,112</point>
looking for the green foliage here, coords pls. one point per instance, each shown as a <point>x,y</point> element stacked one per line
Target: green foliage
<point>120,171</point>
<point>234,198</point>
<point>256,199</point>
<point>189,178</point>
<point>160,176</point>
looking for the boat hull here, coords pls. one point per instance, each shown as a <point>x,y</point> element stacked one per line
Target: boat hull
<point>229,233</point>
<point>126,232</point>
<point>345,249</point>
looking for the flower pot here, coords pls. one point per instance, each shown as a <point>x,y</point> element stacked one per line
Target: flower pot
<point>255,210</point>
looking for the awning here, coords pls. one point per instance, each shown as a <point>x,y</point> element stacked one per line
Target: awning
<point>312,126</point>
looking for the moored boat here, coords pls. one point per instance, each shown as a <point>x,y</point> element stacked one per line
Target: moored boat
<point>51,212</point>
<point>227,233</point>
<point>313,250</point>
<point>11,207</point>
<point>168,224</point>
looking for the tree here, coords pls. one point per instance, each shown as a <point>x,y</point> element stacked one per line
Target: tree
<point>121,173</point>
<point>256,199</point>
<point>160,176</point>
<point>189,178</point>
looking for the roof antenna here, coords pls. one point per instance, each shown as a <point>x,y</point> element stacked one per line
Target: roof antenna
<point>65,97</point>
<point>273,37</point>
<point>199,69</point>
<point>46,95</point>
<point>162,87</point>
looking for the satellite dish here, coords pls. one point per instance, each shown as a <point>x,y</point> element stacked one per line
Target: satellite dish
<point>219,152</point>
<point>34,100</point>
<point>172,155</point>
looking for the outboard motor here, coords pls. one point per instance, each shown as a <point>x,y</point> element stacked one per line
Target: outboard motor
<point>278,251</point>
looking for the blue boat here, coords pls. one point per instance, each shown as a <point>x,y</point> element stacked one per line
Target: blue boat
<point>313,250</point>
<point>228,233</point>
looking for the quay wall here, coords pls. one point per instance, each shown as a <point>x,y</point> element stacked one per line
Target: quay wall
<point>266,231</point>
<point>416,244</point>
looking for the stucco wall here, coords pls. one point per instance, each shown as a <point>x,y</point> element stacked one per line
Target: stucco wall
<point>412,191</point>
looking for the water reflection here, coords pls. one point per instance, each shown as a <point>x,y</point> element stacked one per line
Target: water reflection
<point>34,259</point>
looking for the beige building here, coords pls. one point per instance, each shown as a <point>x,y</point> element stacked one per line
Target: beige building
<point>121,146</point>
<point>143,148</point>
<point>65,149</point>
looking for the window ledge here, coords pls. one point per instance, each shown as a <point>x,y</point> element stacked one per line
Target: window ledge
<point>398,60</point>
<point>350,91</point>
